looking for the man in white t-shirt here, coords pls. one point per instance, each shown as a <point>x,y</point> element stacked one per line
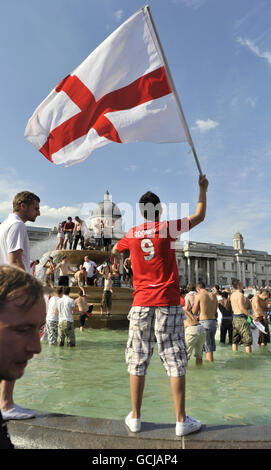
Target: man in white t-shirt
<point>65,307</point>
<point>91,270</point>
<point>14,250</point>
<point>52,316</point>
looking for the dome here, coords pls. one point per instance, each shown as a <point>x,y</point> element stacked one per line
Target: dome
<point>106,208</point>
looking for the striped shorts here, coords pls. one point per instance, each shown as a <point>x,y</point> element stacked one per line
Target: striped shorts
<point>161,325</point>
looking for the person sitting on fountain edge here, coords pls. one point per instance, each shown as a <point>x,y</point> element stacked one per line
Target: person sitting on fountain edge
<point>156,313</point>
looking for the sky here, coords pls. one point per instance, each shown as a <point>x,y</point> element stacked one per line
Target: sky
<point>219,54</point>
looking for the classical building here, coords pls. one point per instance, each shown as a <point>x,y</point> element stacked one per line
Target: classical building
<point>220,264</point>
<point>39,234</point>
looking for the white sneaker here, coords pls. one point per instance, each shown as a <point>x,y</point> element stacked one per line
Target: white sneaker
<point>16,412</point>
<point>188,426</point>
<point>133,424</point>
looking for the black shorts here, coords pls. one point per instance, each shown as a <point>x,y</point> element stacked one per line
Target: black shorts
<point>90,280</point>
<point>107,241</point>
<point>63,281</point>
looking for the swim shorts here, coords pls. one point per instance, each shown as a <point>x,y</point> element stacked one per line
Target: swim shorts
<point>241,333</point>
<point>195,338</point>
<point>161,325</point>
<point>210,330</point>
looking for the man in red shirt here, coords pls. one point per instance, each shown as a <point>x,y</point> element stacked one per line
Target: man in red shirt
<point>156,314</point>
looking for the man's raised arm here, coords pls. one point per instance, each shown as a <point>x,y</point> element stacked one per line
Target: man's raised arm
<point>199,215</point>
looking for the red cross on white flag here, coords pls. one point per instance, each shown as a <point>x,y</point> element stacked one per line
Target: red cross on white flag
<point>122,93</point>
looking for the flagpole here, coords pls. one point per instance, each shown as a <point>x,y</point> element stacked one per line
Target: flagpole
<point>146,9</point>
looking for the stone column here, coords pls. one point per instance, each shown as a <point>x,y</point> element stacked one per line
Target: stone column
<point>208,271</point>
<point>252,274</point>
<point>184,270</point>
<point>215,270</point>
<point>188,269</point>
<point>197,269</point>
<point>239,276</point>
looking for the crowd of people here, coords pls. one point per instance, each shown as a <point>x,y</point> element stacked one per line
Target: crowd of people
<point>179,322</point>
<point>230,311</point>
<point>87,273</point>
<point>69,234</point>
<point>107,275</point>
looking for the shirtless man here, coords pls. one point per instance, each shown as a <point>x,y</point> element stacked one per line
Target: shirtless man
<point>194,336</point>
<point>190,296</point>
<point>50,267</point>
<point>68,231</point>
<point>240,307</point>
<point>65,269</point>
<point>81,306</point>
<point>260,309</point>
<point>206,305</point>
<point>77,233</point>
<point>81,276</point>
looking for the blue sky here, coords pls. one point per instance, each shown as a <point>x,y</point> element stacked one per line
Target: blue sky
<point>219,54</point>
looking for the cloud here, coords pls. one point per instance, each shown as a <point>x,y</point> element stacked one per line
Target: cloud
<point>11,184</point>
<point>255,49</point>
<point>195,4</point>
<point>119,14</point>
<point>205,126</point>
<point>50,216</point>
<point>131,168</point>
<point>251,101</point>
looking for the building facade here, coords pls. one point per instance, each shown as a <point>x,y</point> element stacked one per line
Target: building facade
<point>39,234</point>
<point>221,264</point>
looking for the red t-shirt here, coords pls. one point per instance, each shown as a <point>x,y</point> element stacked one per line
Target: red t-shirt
<point>153,260</point>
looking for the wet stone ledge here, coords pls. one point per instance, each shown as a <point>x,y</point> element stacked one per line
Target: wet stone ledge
<point>59,431</point>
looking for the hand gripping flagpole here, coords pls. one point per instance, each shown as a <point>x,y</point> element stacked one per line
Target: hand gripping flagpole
<point>149,19</point>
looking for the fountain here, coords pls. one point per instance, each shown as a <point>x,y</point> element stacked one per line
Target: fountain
<point>122,297</point>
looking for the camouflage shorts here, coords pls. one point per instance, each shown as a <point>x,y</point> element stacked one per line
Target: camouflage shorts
<point>241,331</point>
<point>66,331</point>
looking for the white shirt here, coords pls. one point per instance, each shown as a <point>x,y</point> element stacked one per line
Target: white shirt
<point>65,305</point>
<point>52,305</point>
<point>13,237</point>
<point>89,265</point>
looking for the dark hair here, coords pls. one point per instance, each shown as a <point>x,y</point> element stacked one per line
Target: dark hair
<point>190,286</point>
<point>216,286</point>
<point>59,291</point>
<point>225,294</point>
<point>67,290</point>
<point>150,206</point>
<point>201,285</point>
<point>235,283</point>
<point>265,291</point>
<point>24,197</point>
